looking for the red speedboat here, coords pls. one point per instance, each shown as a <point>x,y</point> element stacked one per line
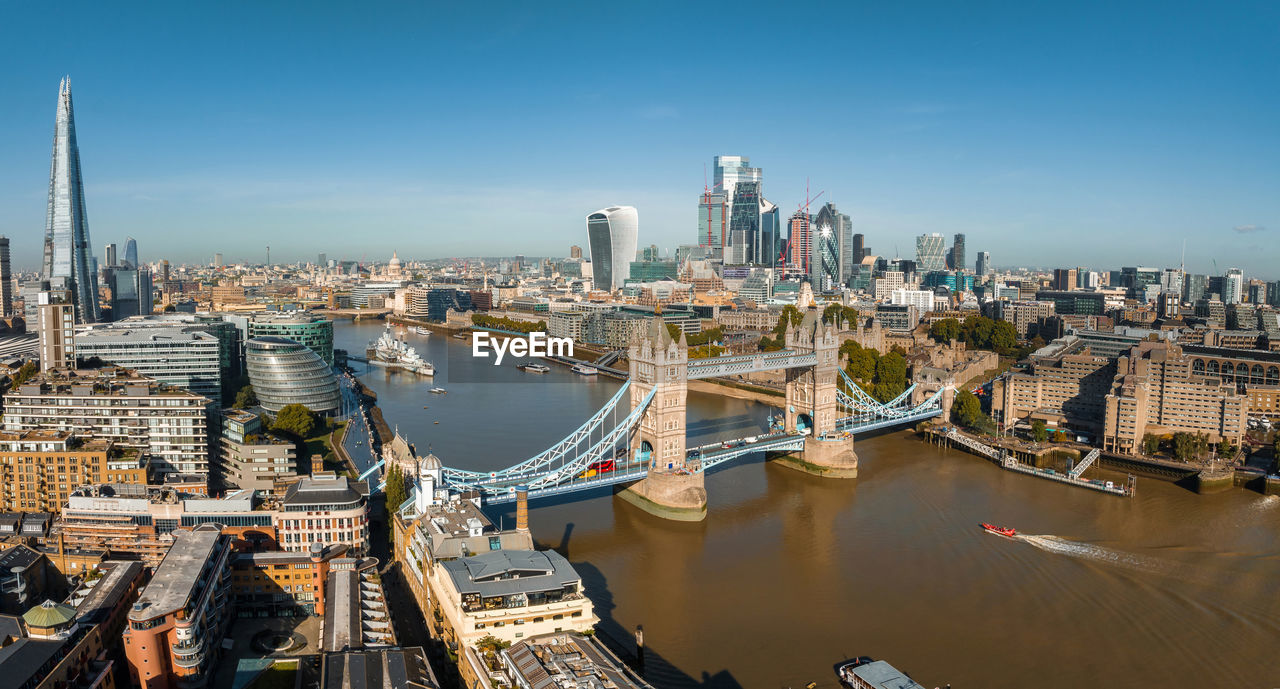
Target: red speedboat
<point>1000,530</point>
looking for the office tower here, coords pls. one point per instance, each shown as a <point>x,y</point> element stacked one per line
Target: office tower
<point>575,251</point>
<point>1064,279</point>
<point>983,264</point>
<point>824,266</point>
<point>1194,287</point>
<point>321,260</point>
<point>713,220</point>
<point>859,252</point>
<point>67,251</point>
<point>612,235</point>
<point>731,171</point>
<point>957,253</point>
<point>130,252</point>
<point>111,255</point>
<point>842,235</point>
<point>744,224</point>
<point>930,252</point>
<point>6,280</point>
<point>770,233</point>
<point>1233,286</point>
<point>130,292</point>
<point>57,331</point>
<point>1171,282</point>
<point>649,253</point>
<point>800,242</point>
<point>164,270</point>
<point>218,262</point>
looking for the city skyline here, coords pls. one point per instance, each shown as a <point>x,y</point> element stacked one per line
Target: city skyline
<point>1136,147</point>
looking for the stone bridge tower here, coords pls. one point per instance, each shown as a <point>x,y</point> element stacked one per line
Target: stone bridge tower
<point>811,398</point>
<point>671,489</point>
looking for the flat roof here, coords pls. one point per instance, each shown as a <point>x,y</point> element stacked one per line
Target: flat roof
<point>106,594</point>
<point>537,570</point>
<point>400,668</point>
<point>882,675</point>
<point>175,579</point>
<point>342,611</point>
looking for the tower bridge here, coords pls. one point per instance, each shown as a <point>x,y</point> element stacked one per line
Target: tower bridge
<point>636,442</point>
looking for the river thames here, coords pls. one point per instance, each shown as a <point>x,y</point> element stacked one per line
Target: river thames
<point>790,573</point>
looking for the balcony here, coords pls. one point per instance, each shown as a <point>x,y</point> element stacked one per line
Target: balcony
<point>187,648</point>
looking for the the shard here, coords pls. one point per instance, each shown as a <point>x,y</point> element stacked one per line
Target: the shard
<point>68,258</point>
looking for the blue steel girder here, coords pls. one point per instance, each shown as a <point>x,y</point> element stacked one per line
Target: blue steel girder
<point>542,461</point>
<point>749,363</point>
<point>506,481</point>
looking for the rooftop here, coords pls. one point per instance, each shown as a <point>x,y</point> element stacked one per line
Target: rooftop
<point>402,668</point>
<point>564,661</point>
<point>18,556</point>
<point>342,611</point>
<point>504,572</point>
<point>177,577</point>
<point>108,591</point>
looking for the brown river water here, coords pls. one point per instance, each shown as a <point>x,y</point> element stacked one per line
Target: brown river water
<point>789,574</point>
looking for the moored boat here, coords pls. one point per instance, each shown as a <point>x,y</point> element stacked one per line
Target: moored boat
<point>437,391</point>
<point>583,370</point>
<point>534,368</point>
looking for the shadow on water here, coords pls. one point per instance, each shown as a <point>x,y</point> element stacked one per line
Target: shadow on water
<point>652,666</point>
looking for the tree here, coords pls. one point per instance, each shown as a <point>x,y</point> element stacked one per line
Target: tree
<point>891,376</point>
<point>945,330</point>
<point>1004,337</point>
<point>1226,448</point>
<point>833,313</point>
<point>170,308</point>
<point>25,373</point>
<point>1189,446</point>
<point>966,410</point>
<point>246,398</point>
<point>674,331</point>
<point>1150,444</point>
<point>396,493</point>
<point>295,420</point>
<point>1038,431</point>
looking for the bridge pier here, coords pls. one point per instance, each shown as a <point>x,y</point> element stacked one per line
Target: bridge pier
<point>832,458</point>
<point>679,497</point>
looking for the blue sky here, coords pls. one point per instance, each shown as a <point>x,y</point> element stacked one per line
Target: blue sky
<point>1096,134</point>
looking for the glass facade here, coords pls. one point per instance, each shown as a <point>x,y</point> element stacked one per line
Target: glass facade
<point>744,223</point>
<point>284,372</point>
<point>931,253</point>
<point>68,258</point>
<point>612,234</point>
<point>313,331</point>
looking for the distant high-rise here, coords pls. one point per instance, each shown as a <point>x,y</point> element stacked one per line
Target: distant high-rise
<point>1233,286</point>
<point>731,171</point>
<point>131,252</point>
<point>218,262</point>
<point>800,241</point>
<point>824,265</point>
<point>1064,279</point>
<point>744,224</point>
<point>983,264</point>
<point>57,330</point>
<point>770,233</point>
<point>957,253</point>
<point>130,292</point>
<point>321,260</point>
<point>713,220</point>
<point>842,234</point>
<point>68,256</point>
<point>930,252</point>
<point>612,235</point>
<point>111,255</point>
<point>859,243</point>
<point>6,280</point>
<point>575,251</point>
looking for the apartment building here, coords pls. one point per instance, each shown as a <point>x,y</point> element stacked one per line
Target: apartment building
<point>1065,383</point>
<point>173,354</point>
<point>249,457</point>
<point>40,469</point>
<point>324,508</point>
<point>1158,390</point>
<point>175,628</point>
<point>119,406</point>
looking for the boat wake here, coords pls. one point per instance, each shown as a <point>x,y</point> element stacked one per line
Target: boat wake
<point>1115,558</point>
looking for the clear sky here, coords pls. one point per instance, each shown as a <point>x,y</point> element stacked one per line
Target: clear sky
<point>1083,133</point>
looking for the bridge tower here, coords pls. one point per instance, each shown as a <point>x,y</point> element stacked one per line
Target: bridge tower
<point>670,490</point>
<point>811,401</point>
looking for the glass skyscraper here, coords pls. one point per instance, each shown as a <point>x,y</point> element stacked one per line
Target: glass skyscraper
<point>744,224</point>
<point>612,234</point>
<point>930,252</point>
<point>131,252</point>
<point>68,256</point>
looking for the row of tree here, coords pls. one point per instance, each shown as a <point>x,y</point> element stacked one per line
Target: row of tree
<point>502,323</point>
<point>882,377</point>
<point>978,332</point>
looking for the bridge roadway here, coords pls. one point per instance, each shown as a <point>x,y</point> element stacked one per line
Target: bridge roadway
<point>636,468</point>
